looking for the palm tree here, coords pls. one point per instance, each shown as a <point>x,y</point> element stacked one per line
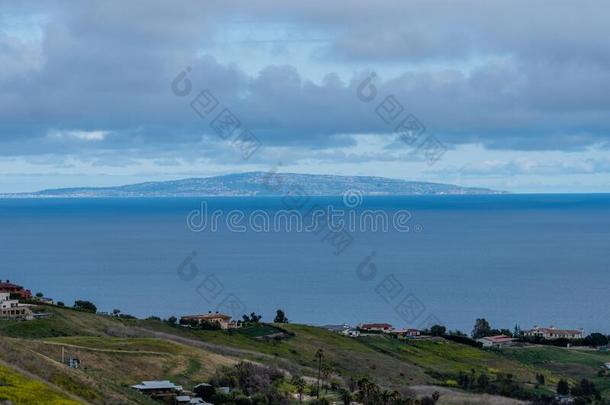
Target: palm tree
<point>345,396</point>
<point>300,385</point>
<point>319,356</point>
<point>326,372</point>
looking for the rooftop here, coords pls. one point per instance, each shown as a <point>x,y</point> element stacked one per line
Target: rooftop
<point>552,329</point>
<point>157,385</point>
<point>499,338</point>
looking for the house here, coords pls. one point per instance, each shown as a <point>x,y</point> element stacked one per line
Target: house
<point>186,399</point>
<point>375,327</point>
<point>45,300</point>
<point>407,333</point>
<point>204,390</point>
<point>552,333</point>
<point>224,321</point>
<point>607,365</point>
<point>164,390</point>
<point>8,287</point>
<point>496,342</point>
<point>351,332</point>
<point>12,309</point>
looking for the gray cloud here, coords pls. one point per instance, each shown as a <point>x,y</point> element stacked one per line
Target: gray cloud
<point>513,75</point>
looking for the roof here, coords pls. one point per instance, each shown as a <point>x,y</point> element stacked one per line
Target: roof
<point>376,326</point>
<point>498,339</point>
<point>408,330</point>
<point>554,330</point>
<point>10,285</point>
<point>156,385</point>
<point>208,316</point>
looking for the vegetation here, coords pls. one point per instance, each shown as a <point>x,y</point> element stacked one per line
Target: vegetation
<point>19,389</point>
<point>314,363</point>
<point>86,306</point>
<point>280,317</point>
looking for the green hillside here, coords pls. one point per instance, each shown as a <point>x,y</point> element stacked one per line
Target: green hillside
<point>153,349</point>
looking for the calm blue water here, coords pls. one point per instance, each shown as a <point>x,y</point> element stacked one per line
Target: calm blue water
<point>514,259</point>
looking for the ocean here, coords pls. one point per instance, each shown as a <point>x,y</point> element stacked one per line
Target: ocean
<point>513,259</point>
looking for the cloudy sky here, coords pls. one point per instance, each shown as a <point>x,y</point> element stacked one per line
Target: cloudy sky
<point>101,93</point>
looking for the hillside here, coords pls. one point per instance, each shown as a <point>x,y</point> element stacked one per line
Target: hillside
<point>153,349</point>
<point>263,184</point>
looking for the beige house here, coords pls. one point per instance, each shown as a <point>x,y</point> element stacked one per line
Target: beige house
<point>12,309</point>
<point>496,342</point>
<point>224,321</point>
<point>552,333</point>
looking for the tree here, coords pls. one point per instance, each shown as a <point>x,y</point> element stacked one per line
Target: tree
<point>585,388</point>
<point>39,295</point>
<point>280,317</point>
<point>540,380</point>
<point>438,330</point>
<point>319,356</point>
<point>116,312</point>
<point>481,329</point>
<point>300,385</point>
<point>506,332</point>
<point>483,381</point>
<point>60,304</point>
<point>346,396</point>
<point>172,320</point>
<point>252,318</point>
<point>563,388</point>
<point>326,372</point>
<point>596,340</point>
<point>86,306</point>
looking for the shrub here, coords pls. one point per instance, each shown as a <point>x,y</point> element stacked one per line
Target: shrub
<point>85,306</point>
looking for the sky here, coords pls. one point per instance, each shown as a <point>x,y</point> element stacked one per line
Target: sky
<point>511,95</point>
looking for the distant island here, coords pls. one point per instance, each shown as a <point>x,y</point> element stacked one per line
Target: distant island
<point>261,184</point>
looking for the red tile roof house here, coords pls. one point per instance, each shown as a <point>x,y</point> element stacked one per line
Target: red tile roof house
<point>375,327</point>
<point>7,286</point>
<point>495,342</point>
<point>552,333</point>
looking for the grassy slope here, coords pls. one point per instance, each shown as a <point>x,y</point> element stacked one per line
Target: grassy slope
<point>21,389</point>
<point>155,350</point>
<point>103,345</point>
<point>573,363</point>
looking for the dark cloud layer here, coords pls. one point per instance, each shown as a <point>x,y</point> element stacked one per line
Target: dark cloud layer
<point>509,75</point>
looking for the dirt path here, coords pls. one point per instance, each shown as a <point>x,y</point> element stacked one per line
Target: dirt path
<point>285,365</point>
<point>95,349</point>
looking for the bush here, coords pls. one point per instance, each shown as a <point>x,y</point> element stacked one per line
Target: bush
<point>252,379</point>
<point>85,306</point>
